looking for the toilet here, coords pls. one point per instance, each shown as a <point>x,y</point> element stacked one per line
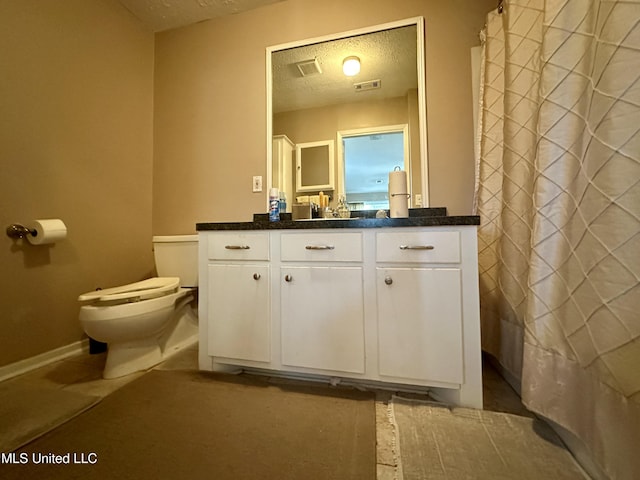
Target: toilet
<point>145,322</point>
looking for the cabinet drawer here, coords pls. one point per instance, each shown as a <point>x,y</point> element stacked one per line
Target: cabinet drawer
<point>321,247</point>
<point>238,246</point>
<point>418,247</point>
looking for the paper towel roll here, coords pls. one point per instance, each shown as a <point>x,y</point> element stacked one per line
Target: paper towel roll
<point>397,182</point>
<point>399,206</point>
<point>398,196</point>
<point>47,231</point>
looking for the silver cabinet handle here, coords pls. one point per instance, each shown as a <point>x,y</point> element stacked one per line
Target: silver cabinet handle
<point>417,247</point>
<point>256,276</point>
<point>319,247</point>
<point>288,278</point>
<point>388,280</point>
<point>237,247</point>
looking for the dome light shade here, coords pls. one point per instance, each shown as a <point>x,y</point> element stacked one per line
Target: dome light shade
<point>351,66</point>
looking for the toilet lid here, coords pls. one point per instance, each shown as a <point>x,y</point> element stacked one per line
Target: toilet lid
<point>150,288</point>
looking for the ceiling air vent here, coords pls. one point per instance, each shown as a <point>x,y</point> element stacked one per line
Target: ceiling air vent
<point>309,67</point>
<point>368,85</point>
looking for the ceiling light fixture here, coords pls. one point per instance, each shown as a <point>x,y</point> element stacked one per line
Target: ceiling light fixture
<point>351,66</point>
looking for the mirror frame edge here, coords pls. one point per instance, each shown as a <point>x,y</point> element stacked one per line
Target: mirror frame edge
<point>419,22</point>
<point>422,110</point>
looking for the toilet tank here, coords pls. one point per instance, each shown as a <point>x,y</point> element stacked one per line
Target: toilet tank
<point>177,256</point>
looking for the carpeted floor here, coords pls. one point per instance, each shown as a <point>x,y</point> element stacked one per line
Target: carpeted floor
<point>187,424</point>
<point>27,411</point>
<point>440,443</point>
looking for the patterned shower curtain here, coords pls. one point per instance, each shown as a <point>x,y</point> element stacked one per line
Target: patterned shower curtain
<point>558,192</point>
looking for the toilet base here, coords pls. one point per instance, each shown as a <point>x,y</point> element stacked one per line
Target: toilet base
<point>129,357</point>
<point>124,358</point>
<point>182,332</point>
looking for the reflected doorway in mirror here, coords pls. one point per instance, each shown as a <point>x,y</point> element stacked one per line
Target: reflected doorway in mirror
<point>365,158</point>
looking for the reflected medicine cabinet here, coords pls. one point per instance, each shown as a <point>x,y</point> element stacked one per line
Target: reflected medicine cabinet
<point>314,166</point>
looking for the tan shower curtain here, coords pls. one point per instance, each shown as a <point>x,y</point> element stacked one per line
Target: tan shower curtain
<point>559,198</point>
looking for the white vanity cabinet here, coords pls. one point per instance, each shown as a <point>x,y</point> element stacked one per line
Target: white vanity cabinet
<point>419,304</point>
<point>382,306</point>
<point>321,301</point>
<point>238,289</point>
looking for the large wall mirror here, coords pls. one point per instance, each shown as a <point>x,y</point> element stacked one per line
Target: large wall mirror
<point>377,117</point>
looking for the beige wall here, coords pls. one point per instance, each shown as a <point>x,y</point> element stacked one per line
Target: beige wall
<point>322,123</point>
<point>76,96</point>
<point>210,107</point>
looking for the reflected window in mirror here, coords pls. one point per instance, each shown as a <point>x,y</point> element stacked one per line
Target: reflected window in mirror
<point>368,158</point>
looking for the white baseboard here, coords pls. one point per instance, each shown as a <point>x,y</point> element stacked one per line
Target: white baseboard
<point>28,364</point>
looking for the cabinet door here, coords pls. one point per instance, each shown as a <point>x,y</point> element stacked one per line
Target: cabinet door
<point>322,316</point>
<point>420,323</point>
<point>239,312</point>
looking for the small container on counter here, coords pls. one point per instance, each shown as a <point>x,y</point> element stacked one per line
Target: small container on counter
<point>274,205</point>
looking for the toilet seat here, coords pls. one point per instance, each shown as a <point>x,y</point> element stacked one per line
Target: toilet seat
<point>146,289</point>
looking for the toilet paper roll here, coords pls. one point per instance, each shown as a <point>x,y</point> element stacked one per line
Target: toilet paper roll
<point>46,231</point>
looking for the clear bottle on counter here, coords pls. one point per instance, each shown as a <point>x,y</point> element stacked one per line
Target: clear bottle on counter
<point>283,202</point>
<point>343,209</point>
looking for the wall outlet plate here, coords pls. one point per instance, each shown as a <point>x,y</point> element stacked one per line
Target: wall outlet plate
<point>257,183</point>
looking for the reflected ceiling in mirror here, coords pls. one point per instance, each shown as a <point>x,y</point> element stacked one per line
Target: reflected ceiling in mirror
<point>311,76</point>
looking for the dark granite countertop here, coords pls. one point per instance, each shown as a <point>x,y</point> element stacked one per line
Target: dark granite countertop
<point>424,217</point>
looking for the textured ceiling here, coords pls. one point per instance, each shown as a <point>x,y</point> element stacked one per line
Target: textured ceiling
<point>388,56</point>
<point>159,15</point>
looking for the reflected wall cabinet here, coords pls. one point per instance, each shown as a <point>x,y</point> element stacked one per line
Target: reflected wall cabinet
<point>315,166</point>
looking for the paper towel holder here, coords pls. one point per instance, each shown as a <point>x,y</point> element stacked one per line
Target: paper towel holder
<point>16,231</point>
<point>408,195</point>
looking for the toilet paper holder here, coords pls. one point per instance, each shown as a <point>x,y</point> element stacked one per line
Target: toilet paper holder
<point>17,231</point>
